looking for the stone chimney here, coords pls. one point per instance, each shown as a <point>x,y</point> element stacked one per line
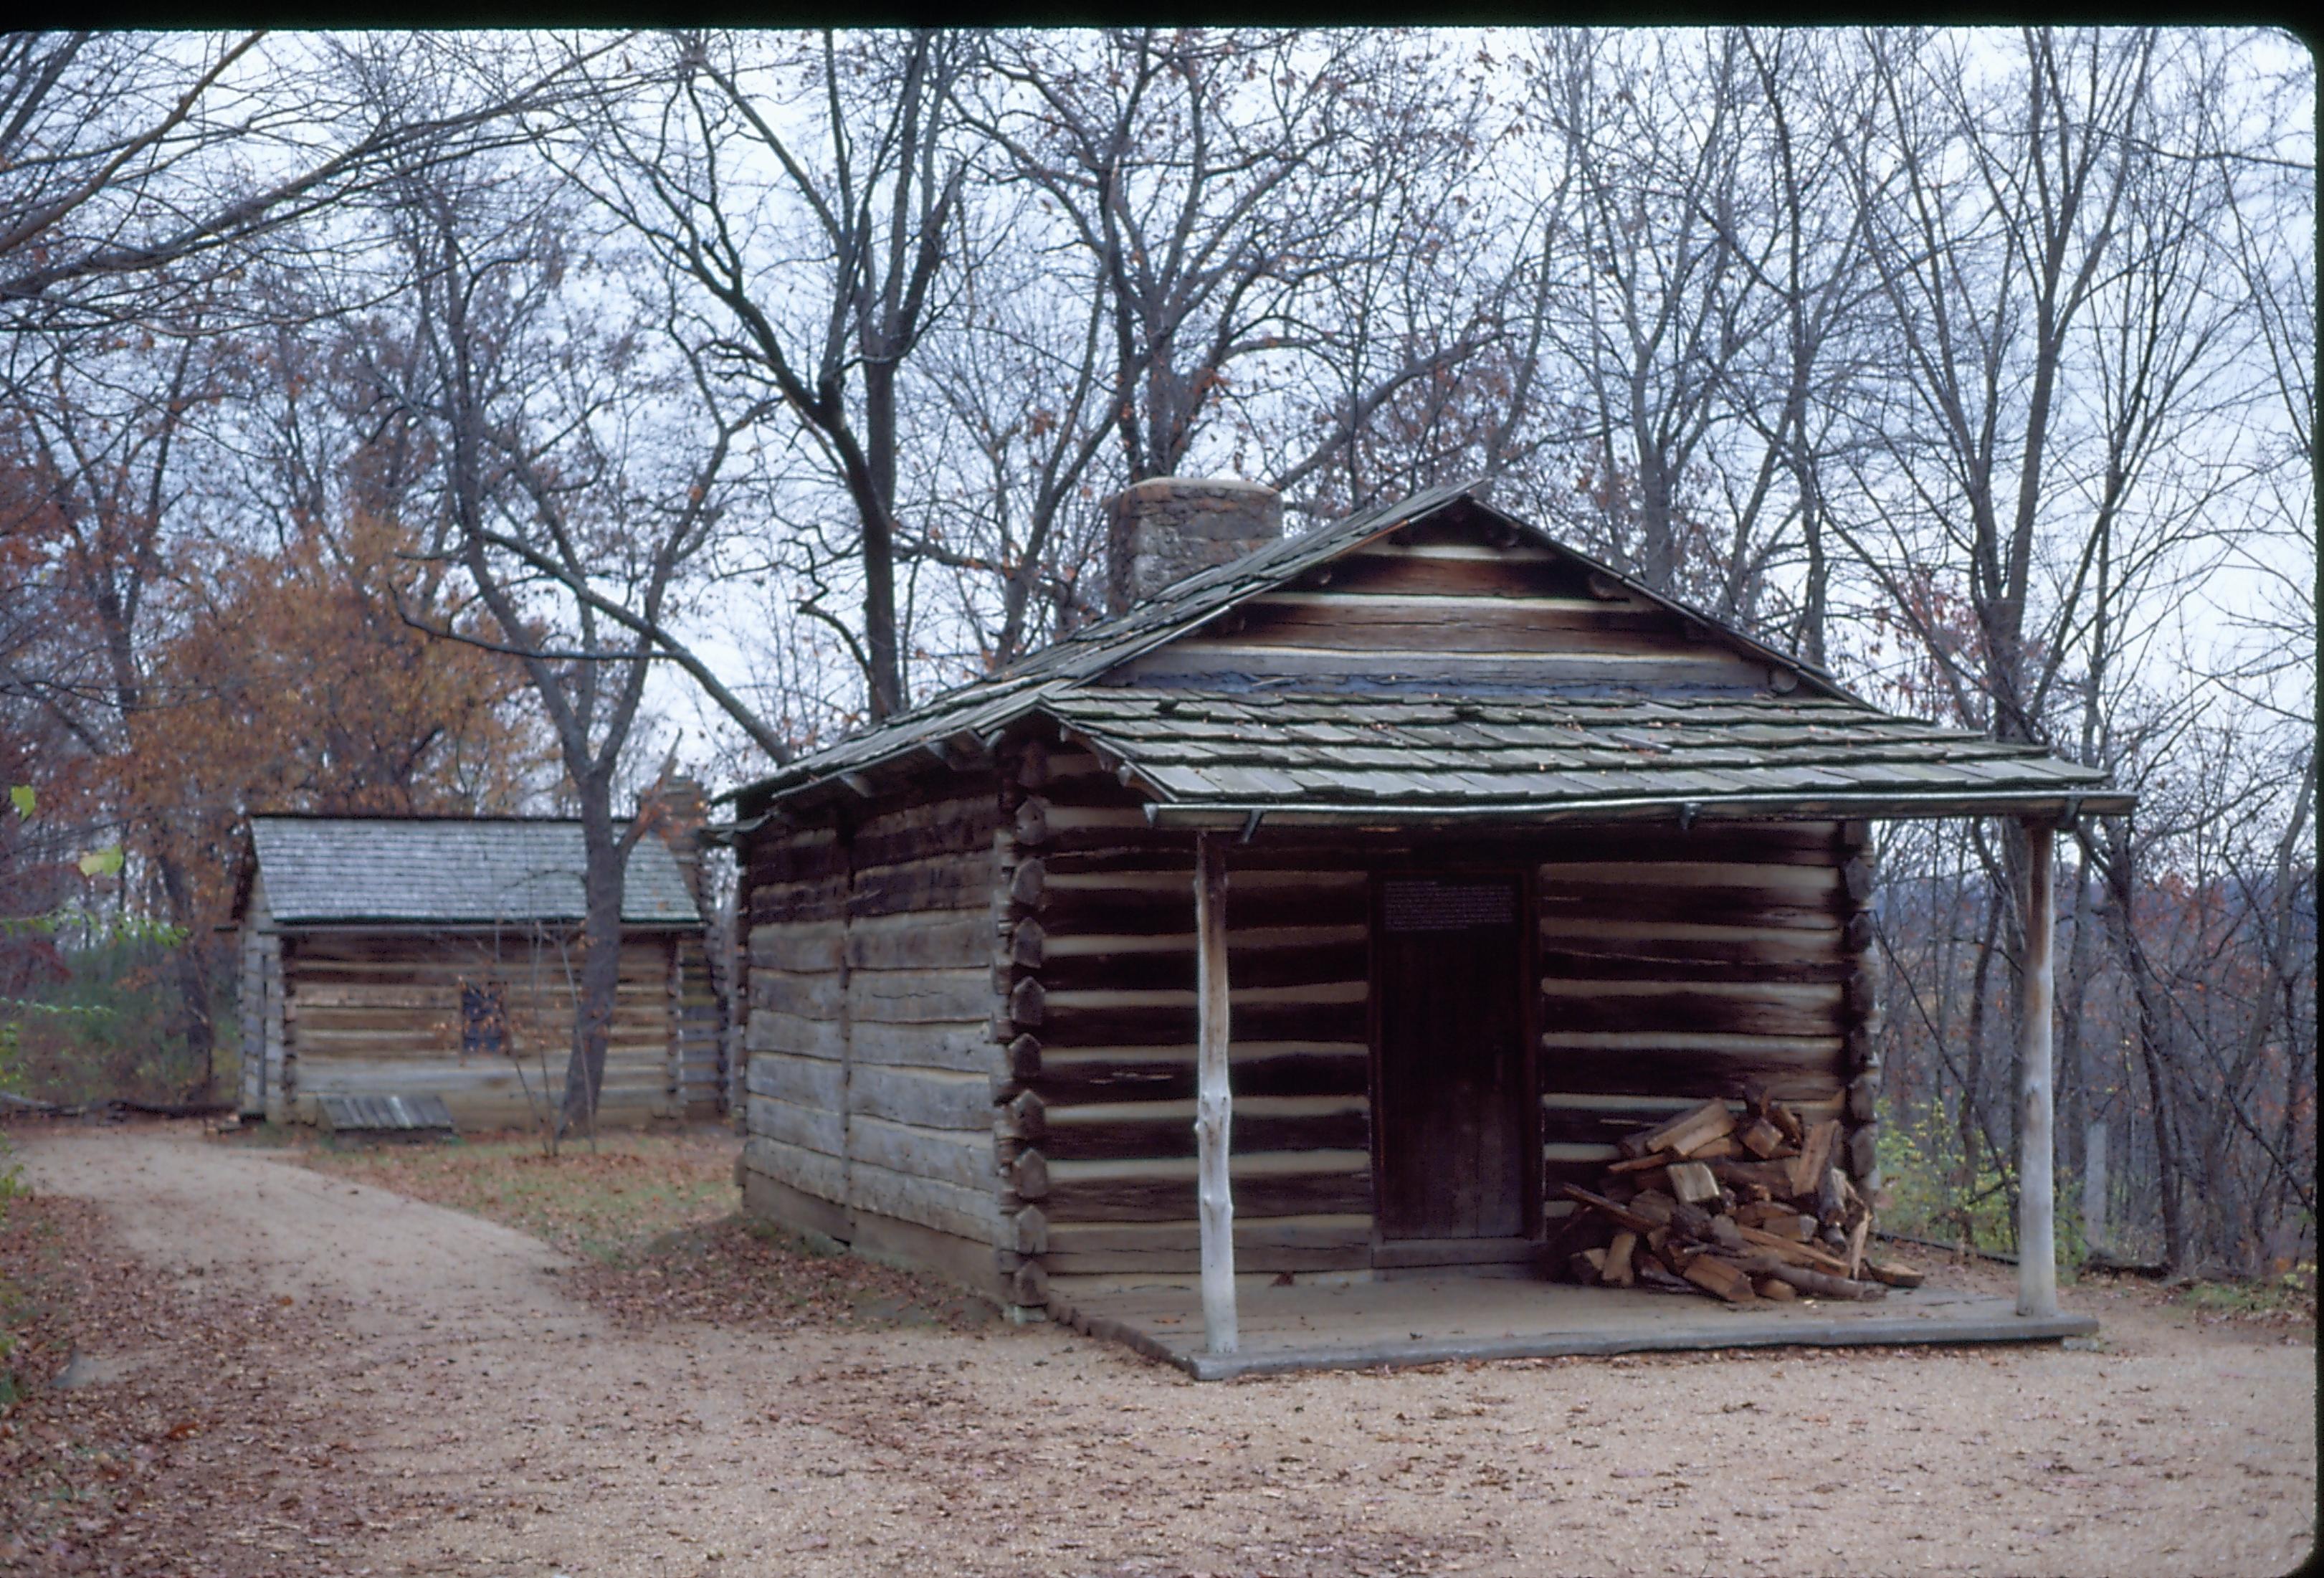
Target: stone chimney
<point>1166,528</point>
<point>680,809</point>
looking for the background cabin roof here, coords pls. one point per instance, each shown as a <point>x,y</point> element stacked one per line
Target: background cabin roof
<point>1325,750</point>
<point>450,871</point>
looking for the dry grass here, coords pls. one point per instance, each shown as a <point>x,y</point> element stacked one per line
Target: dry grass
<point>651,1214</point>
<point>599,1201</point>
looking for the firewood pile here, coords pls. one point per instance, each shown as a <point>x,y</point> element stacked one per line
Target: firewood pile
<point>1743,1206</point>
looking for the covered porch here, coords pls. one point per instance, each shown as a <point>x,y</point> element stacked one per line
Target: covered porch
<point>1437,1319</point>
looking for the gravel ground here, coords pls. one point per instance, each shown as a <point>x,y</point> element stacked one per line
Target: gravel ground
<point>449,1380</point>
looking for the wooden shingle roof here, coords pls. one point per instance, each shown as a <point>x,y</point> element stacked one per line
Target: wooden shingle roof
<point>1356,744</point>
<point>1210,761</point>
<point>449,870</point>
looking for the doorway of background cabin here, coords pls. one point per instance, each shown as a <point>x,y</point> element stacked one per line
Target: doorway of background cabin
<point>1452,1118</point>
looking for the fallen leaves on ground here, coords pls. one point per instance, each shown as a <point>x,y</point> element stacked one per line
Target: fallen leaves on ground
<point>150,1429</point>
<point>742,1274</point>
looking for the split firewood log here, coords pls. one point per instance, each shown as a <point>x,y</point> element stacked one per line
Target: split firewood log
<point>1693,1181</point>
<point>1822,1284</point>
<point>1807,1169</point>
<point>1761,1137</point>
<point>1695,1126</point>
<point>1719,1276</point>
<point>1895,1273</point>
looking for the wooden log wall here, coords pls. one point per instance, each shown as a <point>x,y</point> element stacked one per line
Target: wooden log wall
<point>870,980</point>
<point>1681,965</point>
<point>1100,1093</point>
<point>1446,601</point>
<point>379,1013</point>
<point>697,1060</point>
<point>1861,1054</point>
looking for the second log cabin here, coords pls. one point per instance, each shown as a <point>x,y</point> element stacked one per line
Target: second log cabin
<point>1322,911</point>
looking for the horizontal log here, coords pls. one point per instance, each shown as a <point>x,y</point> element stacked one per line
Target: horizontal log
<point>1254,941</point>
<point>1265,1184</point>
<point>1247,967</point>
<point>1259,1258</point>
<point>1692,1064</point>
<point>963,1157</point>
<point>927,1098</point>
<point>1103,907</point>
<point>808,1171</point>
<point>1292,1068</point>
<point>960,1047</point>
<point>544,976</point>
<point>793,902</point>
<point>807,947</point>
<point>957,882</point>
<point>1264,1021</point>
<point>814,997</point>
<point>1252,1232</point>
<point>767,1031</point>
<point>1569,904</point>
<point>817,1128</point>
<point>961,824</point>
<point>1125,1130</point>
<point>909,997</point>
<point>933,939</point>
<point>1196,660</point>
<point>808,1082</point>
<point>1559,627</point>
<point>1623,963</point>
<point>1376,571</point>
<point>971,1212</point>
<point>1781,883</point>
<point>1754,1008</point>
<point>798,855</point>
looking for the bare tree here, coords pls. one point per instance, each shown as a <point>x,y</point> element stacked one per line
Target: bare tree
<point>1215,179</point>
<point>549,406</point>
<point>708,155</point>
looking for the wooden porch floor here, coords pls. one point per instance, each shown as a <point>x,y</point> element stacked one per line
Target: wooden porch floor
<point>1430,1320</point>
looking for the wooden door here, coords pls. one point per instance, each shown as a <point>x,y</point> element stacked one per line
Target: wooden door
<point>1450,1113</point>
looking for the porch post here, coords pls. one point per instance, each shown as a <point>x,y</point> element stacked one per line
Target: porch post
<point>1213,1104</point>
<point>2037,1243</point>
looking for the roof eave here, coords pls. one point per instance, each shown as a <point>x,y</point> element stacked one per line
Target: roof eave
<point>1244,815</point>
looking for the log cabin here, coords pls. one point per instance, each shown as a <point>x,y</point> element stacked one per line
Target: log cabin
<point>418,955</point>
<point>1322,910</point>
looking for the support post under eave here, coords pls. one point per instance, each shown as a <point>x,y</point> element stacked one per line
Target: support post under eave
<point>1214,1104</point>
<point>2037,1241</point>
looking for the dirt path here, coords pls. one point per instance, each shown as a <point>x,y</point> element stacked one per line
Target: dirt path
<point>523,1433</point>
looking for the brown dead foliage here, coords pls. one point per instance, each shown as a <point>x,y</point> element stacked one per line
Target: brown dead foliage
<point>743,1274</point>
<point>149,1432</point>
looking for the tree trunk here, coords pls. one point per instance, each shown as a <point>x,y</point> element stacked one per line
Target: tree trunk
<point>1973,1072</point>
<point>885,682</point>
<point>2146,1037</point>
<point>189,965</point>
<point>601,960</point>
